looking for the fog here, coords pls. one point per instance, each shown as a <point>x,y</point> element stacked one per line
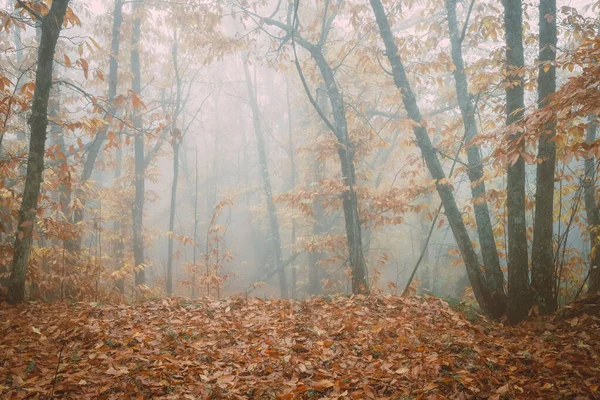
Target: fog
<point>287,180</point>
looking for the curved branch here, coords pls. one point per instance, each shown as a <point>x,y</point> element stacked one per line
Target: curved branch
<point>303,79</point>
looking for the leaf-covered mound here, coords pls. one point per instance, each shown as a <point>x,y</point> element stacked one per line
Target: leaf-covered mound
<point>361,348</point>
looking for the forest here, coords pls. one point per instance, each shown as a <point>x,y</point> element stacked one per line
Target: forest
<point>299,199</point>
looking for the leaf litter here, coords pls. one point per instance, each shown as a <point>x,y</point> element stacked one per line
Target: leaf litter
<point>380,347</point>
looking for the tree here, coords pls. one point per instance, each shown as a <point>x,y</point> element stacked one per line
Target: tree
<point>488,301</point>
<point>542,254</point>
<point>519,294</point>
<point>275,238</point>
<point>51,25</point>
<point>339,127</point>
<point>98,143</point>
<point>176,141</point>
<point>487,242</point>
<point>138,144</point>
<point>591,210</point>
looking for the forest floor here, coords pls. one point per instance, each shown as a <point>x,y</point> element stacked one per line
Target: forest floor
<point>328,348</point>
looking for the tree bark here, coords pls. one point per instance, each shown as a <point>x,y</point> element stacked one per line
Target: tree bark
<point>138,144</point>
<point>346,155</point>
<point>119,244</point>
<point>542,254</point>
<point>195,233</point>
<point>591,210</point>
<point>483,294</point>
<point>176,144</point>
<point>314,275</point>
<point>487,242</point>
<point>113,81</point>
<point>38,122</point>
<point>293,174</point>
<point>264,171</point>
<point>88,166</point>
<point>345,152</point>
<point>519,293</point>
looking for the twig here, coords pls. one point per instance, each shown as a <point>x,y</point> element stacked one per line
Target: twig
<point>439,210</point>
<point>56,371</point>
<point>464,30</point>
<point>30,11</point>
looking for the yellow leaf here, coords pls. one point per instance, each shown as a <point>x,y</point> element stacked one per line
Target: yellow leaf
<point>502,389</point>
<point>323,384</point>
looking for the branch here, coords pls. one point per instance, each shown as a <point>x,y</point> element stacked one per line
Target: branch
<point>432,227</point>
<point>250,288</point>
<point>464,29</point>
<point>386,114</point>
<point>303,79</point>
<point>194,116</point>
<point>382,67</point>
<point>30,11</point>
<point>326,24</point>
<point>93,100</point>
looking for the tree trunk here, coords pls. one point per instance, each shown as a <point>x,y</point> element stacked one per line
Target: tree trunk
<point>484,295</point>
<point>264,171</point>
<point>113,81</point>
<point>176,144</point>
<point>314,275</point>
<point>38,122</point>
<point>346,154</point>
<point>172,215</point>
<point>487,242</point>
<point>542,254</point>
<point>119,244</point>
<point>292,181</point>
<point>591,210</point>
<point>138,144</point>
<point>74,245</point>
<point>194,268</point>
<point>519,294</point>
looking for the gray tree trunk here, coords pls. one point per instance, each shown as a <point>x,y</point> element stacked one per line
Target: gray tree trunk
<point>542,254</point>
<point>38,122</point>
<point>314,275</point>
<point>74,246</point>
<point>264,171</point>
<point>118,243</point>
<point>591,210</point>
<point>487,242</point>
<point>346,155</point>
<point>176,138</point>
<point>138,144</point>
<point>519,293</point>
<point>345,152</point>
<point>293,174</point>
<point>483,294</point>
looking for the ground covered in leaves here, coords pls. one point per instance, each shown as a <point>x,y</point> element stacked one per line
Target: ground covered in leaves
<point>328,348</point>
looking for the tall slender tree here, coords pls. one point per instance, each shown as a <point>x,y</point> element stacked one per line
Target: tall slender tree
<point>138,144</point>
<point>51,25</point>
<point>264,172</point>
<point>176,138</point>
<point>592,211</point>
<point>519,299</point>
<point>339,127</point>
<point>487,242</point>
<point>542,254</point>
<point>484,295</point>
<point>74,245</point>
